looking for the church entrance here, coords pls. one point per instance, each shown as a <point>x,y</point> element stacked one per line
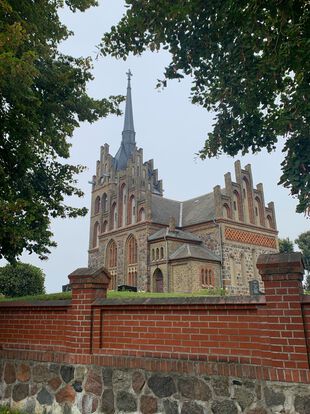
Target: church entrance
<point>158,281</point>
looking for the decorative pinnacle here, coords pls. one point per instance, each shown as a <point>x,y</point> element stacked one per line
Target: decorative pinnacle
<point>129,75</point>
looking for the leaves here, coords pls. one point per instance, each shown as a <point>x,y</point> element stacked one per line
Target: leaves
<point>43,99</point>
<point>249,62</point>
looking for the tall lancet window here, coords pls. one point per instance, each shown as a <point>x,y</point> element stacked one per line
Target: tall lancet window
<point>123,205</point>
<point>113,220</point>
<point>132,260</point>
<point>96,235</point>
<point>132,210</point>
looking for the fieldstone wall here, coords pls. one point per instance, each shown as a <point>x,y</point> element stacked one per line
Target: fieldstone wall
<point>49,388</point>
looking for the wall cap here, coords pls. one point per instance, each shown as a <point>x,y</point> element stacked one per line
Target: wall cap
<point>280,263</point>
<point>86,276</point>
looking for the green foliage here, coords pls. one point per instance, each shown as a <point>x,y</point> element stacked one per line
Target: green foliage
<point>8,410</point>
<point>21,279</point>
<point>43,99</point>
<point>249,62</point>
<point>286,245</point>
<point>303,242</point>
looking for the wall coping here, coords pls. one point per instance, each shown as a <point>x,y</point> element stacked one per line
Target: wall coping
<point>62,303</point>
<point>179,301</point>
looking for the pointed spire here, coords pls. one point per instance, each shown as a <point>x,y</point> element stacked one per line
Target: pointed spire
<point>129,130</point>
<point>128,144</point>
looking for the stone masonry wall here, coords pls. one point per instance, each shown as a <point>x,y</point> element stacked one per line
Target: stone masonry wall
<point>49,388</point>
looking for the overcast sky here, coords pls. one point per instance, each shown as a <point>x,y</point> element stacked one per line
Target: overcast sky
<point>168,127</point>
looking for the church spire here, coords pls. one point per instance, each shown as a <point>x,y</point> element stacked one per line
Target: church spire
<point>129,130</point>
<point>128,144</point>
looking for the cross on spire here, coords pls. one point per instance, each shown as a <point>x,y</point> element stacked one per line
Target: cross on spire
<point>129,75</point>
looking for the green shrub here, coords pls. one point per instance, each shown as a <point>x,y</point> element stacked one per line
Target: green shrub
<point>21,279</point>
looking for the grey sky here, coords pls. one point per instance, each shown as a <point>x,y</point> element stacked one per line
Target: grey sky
<point>168,127</point>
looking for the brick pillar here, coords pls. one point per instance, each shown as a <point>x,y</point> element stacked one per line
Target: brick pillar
<point>284,346</point>
<point>87,286</point>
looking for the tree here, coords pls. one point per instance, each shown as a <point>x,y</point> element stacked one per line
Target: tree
<point>249,62</point>
<point>21,279</point>
<point>303,242</point>
<point>42,100</point>
<point>286,245</point>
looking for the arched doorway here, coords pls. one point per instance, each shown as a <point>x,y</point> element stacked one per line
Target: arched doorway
<point>158,281</point>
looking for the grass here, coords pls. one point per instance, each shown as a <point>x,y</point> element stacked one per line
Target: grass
<point>120,295</point>
<point>7,410</point>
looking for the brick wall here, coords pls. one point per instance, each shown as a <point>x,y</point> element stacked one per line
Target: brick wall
<point>264,337</point>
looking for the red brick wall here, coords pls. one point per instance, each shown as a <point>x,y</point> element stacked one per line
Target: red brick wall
<point>215,332</point>
<point>26,326</point>
<point>260,337</point>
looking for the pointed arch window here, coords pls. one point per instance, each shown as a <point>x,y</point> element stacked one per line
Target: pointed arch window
<point>113,216</point>
<point>269,222</point>
<point>132,260</point>
<point>226,211</point>
<point>97,205</point>
<point>237,206</point>
<point>141,215</point>
<point>96,235</point>
<point>248,201</point>
<point>132,210</point>
<point>104,202</point>
<point>259,216</point>
<point>104,226</point>
<point>111,263</point>
<point>123,205</point>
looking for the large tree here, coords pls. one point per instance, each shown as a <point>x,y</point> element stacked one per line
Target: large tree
<point>249,61</point>
<point>286,245</point>
<point>42,99</point>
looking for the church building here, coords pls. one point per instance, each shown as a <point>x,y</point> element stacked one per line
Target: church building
<point>161,245</point>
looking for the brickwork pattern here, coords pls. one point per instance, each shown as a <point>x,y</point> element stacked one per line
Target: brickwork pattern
<point>247,237</point>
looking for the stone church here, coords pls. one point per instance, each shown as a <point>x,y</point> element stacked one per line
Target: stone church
<point>162,245</point>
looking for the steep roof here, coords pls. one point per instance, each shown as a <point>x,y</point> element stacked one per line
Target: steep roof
<point>198,209</point>
<point>176,234</point>
<point>193,211</point>
<point>164,208</point>
<point>187,251</point>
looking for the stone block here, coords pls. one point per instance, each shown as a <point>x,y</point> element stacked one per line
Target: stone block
<point>93,383</point>
<point>107,377</point>
<point>44,397</point>
<point>54,383</point>
<point>20,391</point>
<point>148,404</point>
<point>273,398</point>
<point>23,372</point>
<point>191,407</point>
<point>89,404</point>
<point>224,407</point>
<point>9,373</point>
<point>162,386</point>
<point>107,402</point>
<point>194,389</point>
<point>126,402</point>
<point>244,397</point>
<point>66,395</point>
<point>67,373</point>
<point>171,407</point>
<point>40,373</point>
<point>121,379</point>
<point>220,386</point>
<point>138,381</point>
<point>302,404</point>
